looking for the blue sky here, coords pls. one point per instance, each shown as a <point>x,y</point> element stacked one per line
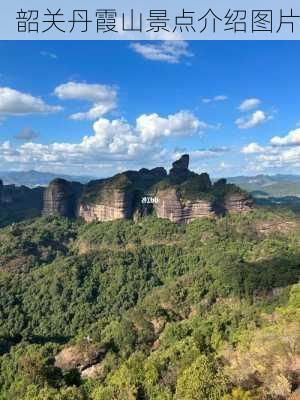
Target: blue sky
<point>98,108</point>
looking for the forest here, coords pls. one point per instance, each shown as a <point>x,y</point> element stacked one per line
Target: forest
<point>151,310</point>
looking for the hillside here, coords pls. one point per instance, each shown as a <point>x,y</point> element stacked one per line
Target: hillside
<point>269,185</point>
<point>151,310</point>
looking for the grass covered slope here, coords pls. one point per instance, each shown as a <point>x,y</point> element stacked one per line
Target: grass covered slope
<point>151,310</point>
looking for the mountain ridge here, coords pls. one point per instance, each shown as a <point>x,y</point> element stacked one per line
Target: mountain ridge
<point>33,178</point>
<point>180,196</point>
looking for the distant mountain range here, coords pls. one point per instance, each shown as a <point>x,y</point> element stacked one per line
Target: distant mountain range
<point>260,185</point>
<point>269,185</point>
<point>35,178</point>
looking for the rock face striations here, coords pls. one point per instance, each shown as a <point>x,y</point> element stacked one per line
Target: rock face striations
<point>238,202</point>
<point>180,196</point>
<point>117,206</point>
<point>170,206</point>
<point>60,198</point>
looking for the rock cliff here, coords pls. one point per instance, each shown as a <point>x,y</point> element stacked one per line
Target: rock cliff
<point>180,170</point>
<point>238,202</point>
<point>60,198</point>
<point>170,206</point>
<point>117,206</point>
<point>180,196</point>
<point>11,194</point>
<point>19,202</point>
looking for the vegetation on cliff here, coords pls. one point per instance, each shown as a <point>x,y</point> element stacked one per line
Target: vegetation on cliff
<point>150,310</point>
<point>180,196</point>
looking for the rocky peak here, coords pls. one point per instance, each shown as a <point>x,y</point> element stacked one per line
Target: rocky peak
<point>159,172</point>
<point>221,183</point>
<point>182,163</point>
<point>180,169</point>
<point>181,196</point>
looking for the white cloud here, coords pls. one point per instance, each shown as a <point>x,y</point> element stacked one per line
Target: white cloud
<point>15,103</point>
<point>172,51</point>
<point>112,142</point>
<point>49,55</point>
<point>84,91</point>
<point>208,153</point>
<point>220,97</point>
<point>252,148</point>
<point>153,126</point>
<point>249,104</point>
<point>291,156</point>
<point>281,158</point>
<point>95,112</point>
<point>103,97</point>
<point>257,118</point>
<point>282,152</point>
<point>200,154</point>
<point>292,139</point>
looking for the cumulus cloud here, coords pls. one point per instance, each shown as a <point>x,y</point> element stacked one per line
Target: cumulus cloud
<point>113,141</point>
<point>252,148</point>
<point>281,158</point>
<point>282,152</point>
<point>152,126</point>
<point>220,97</point>
<point>172,52</point>
<point>249,104</point>
<point>27,134</point>
<point>257,118</point>
<point>291,139</point>
<point>15,103</point>
<point>6,151</point>
<point>103,98</point>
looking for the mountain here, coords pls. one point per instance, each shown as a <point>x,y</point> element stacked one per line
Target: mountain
<point>261,185</point>
<point>152,310</point>
<point>36,178</point>
<point>180,196</point>
<point>130,303</point>
<point>269,185</point>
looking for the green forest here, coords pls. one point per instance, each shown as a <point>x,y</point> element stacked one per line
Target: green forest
<point>151,310</point>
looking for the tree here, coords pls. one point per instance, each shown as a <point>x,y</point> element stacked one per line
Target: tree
<point>199,382</point>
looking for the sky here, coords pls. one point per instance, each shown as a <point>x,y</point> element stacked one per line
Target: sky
<point>99,108</point>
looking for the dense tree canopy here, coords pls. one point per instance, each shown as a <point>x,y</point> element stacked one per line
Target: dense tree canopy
<point>208,310</point>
